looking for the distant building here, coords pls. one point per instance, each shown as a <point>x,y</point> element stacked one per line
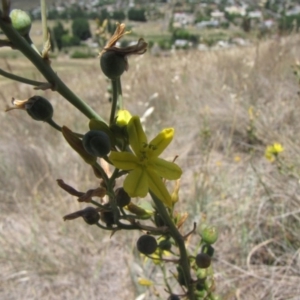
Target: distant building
<point>255,15</point>
<point>217,15</point>
<point>236,10</point>
<point>183,19</point>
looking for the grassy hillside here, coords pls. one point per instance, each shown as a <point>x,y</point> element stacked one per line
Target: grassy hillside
<point>226,107</point>
<point>25,4</point>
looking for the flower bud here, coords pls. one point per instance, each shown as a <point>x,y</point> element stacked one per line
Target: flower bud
<point>146,244</point>
<point>165,245</point>
<point>203,260</point>
<point>201,274</point>
<point>113,64</point>
<point>208,233</point>
<point>20,21</point>
<point>180,276</point>
<point>158,220</point>
<point>122,198</point>
<point>96,143</point>
<point>208,249</point>
<point>39,108</point>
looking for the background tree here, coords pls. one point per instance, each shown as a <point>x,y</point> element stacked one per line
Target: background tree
<point>58,31</point>
<point>137,15</point>
<point>81,29</point>
<point>118,15</point>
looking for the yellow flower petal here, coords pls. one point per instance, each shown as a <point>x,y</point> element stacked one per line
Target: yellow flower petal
<point>161,141</point>
<point>136,183</point>
<point>157,186</point>
<point>137,137</point>
<point>166,169</point>
<point>123,160</point>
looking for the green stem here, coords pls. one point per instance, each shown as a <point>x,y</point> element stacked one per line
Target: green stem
<point>163,269</point>
<point>44,21</point>
<point>184,259</point>
<point>32,45</point>
<point>101,171</point>
<point>20,79</point>
<point>45,69</point>
<point>114,103</point>
<point>120,101</point>
<point>54,125</point>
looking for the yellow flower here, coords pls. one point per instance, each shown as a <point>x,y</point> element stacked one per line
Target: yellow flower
<point>123,117</point>
<point>273,151</point>
<point>146,169</point>
<point>145,282</point>
<point>250,113</point>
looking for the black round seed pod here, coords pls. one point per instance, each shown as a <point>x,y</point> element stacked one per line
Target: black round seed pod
<point>173,297</point>
<point>146,244</point>
<point>90,215</point>
<point>203,260</point>
<point>96,143</point>
<point>122,198</point>
<point>113,64</point>
<point>20,21</point>
<point>39,108</point>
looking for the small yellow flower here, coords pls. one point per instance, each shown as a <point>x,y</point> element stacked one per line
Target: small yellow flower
<point>237,158</point>
<point>123,117</point>
<point>250,113</point>
<point>145,282</point>
<point>146,169</point>
<point>272,151</point>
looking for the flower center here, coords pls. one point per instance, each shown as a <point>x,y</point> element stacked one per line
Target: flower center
<point>145,153</point>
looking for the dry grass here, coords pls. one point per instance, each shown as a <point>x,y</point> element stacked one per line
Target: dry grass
<point>206,97</point>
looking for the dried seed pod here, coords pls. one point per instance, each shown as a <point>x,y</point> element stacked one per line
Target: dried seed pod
<point>20,21</point>
<point>39,108</point>
<point>146,244</point>
<point>203,260</point>
<point>122,198</point>
<point>113,64</point>
<point>90,215</point>
<point>108,218</point>
<point>96,143</point>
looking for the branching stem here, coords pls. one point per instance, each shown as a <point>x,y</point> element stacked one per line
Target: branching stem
<point>184,259</point>
<point>57,84</point>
